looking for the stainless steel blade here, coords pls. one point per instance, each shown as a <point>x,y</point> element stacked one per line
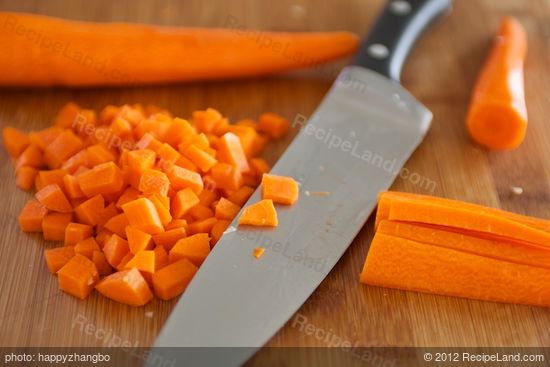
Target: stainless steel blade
<point>353,147</point>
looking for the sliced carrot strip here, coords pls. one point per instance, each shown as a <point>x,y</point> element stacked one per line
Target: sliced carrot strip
<point>127,286</point>
<point>78,276</point>
<point>261,213</point>
<point>171,280</point>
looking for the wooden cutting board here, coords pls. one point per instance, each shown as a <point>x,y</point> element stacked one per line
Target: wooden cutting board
<point>440,73</point>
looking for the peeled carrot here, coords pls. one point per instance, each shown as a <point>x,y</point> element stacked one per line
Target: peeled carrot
<point>404,264</point>
<point>54,225</point>
<point>143,215</point>
<point>171,280</point>
<point>183,201</point>
<point>194,248</point>
<point>497,116</point>
<point>56,258</point>
<point>280,189</point>
<point>115,249</point>
<point>225,209</point>
<point>104,178</point>
<point>138,240</point>
<point>76,232</point>
<point>53,198</point>
<point>32,215</point>
<point>127,286</point>
<point>118,224</point>
<point>237,55</point>
<point>87,247</point>
<point>231,151</point>
<point>273,125</point>
<point>25,176</point>
<point>78,276</point>
<point>15,141</point>
<point>258,252</point>
<point>170,237</point>
<point>261,213</point>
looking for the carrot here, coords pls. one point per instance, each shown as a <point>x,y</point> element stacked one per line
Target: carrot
<point>207,197</point>
<point>89,211</point>
<point>141,159</point>
<point>53,198</point>
<point>497,115</point>
<point>87,247</point>
<point>465,219</point>
<point>106,214</point>
<point>31,216</point>
<point>231,151</point>
<point>227,176</point>
<point>101,263</point>
<point>258,252</point>
<point>183,201</point>
<point>127,286</point>
<point>102,179</point>
<point>404,264</point>
<point>386,198</point>
<point>181,178</point>
<point>143,215</point>
<point>280,189</point>
<point>259,166</point>
<point>125,259</point>
<point>76,232</point>
<point>118,224</point>
<point>225,209</point>
<point>98,153</point>
<point>508,250</point>
<point>200,158</point>
<point>273,125</point>
<point>261,213</point>
<point>75,161</point>
<point>36,66</point>
<point>25,176</point>
<point>241,196</point>
<point>194,248</point>
<point>56,258</point>
<point>170,237</point>
<point>161,258</point>
<point>201,226</point>
<point>15,141</point>
<point>32,156</point>
<point>103,235</point>
<point>78,276</point>
<point>162,205</point>
<point>115,249</point>
<point>138,240</point>
<point>54,225</point>
<point>144,261</point>
<point>201,212</point>
<point>128,195</point>
<point>71,187</point>
<point>167,155</point>
<point>61,148</point>
<point>176,223</point>
<point>217,230</point>
<point>171,280</point>
<point>44,137</point>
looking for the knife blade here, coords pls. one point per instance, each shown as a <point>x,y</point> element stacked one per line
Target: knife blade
<point>351,148</point>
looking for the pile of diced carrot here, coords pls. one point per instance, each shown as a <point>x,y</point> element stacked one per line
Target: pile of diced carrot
<point>140,197</point>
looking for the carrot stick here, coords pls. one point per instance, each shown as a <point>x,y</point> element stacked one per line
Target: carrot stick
<point>409,265</point>
<point>81,53</point>
<point>497,116</point>
<point>508,250</point>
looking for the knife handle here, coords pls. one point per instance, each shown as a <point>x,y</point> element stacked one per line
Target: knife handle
<point>396,30</point>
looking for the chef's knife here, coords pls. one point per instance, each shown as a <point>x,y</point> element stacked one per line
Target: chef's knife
<point>352,148</point>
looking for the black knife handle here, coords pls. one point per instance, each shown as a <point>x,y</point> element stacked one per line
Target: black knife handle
<point>395,32</point>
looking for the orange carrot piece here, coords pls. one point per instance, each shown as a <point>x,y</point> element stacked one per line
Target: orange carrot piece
<point>72,188</point>
<point>217,230</point>
<point>273,125</point>
<point>143,261</point>
<point>280,189</point>
<point>99,153</point>
<point>78,276</point>
<point>118,224</point>
<point>161,257</point>
<point>128,195</point>
<point>181,178</point>
<point>61,148</point>
<point>247,135</point>
<point>200,158</point>
<point>207,197</point>
<point>53,176</point>
<point>106,214</point>
<point>154,182</point>
<point>201,212</point>
<point>194,248</point>
<point>201,226</point>
<point>101,263</point>
<point>103,236</point>
<point>170,237</point>
<point>115,249</point>
<point>258,252</point>
<point>127,286</point>
<point>87,247</point>
<point>261,213</point>
<point>31,156</point>
<point>141,159</point>
<point>176,223</point>
<point>44,137</point>
<point>497,115</point>
<point>121,127</point>
<point>102,179</point>
<point>147,141</point>
<point>25,176</point>
<point>66,117</point>
<point>77,160</point>
<point>227,176</point>
<point>183,201</point>
<point>138,240</point>
<point>507,250</point>
<point>241,196</point>
<point>171,280</point>
<point>76,232</point>
<point>177,131</point>
<point>404,264</point>
<point>231,151</point>
<point>143,215</point>
<point>162,207</point>
<point>15,141</point>
<point>465,219</point>
<point>167,156</point>
<point>57,257</point>
<point>259,166</point>
<point>31,216</point>
<point>122,264</point>
<point>89,212</point>
<point>53,198</point>
<point>54,225</point>
<point>225,209</point>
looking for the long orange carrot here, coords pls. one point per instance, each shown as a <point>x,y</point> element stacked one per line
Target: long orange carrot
<point>43,51</point>
<point>400,263</point>
<point>497,117</point>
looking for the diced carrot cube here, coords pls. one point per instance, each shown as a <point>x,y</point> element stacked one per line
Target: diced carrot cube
<point>206,121</point>
<point>66,116</point>
<point>106,214</point>
<point>78,276</point>
<point>101,263</point>
<point>261,213</point>
<point>181,178</point>
<point>141,159</point>
<point>162,207</point>
<point>77,160</point>
<point>143,215</point>
<point>31,156</point>
<point>227,210</point>
<point>53,198</point>
<point>89,212</point>
<point>194,248</point>
<point>31,216</point>
<point>259,166</point>
<point>87,247</point>
<point>200,158</point>
<point>153,182</point>
<point>241,196</point>
<point>128,195</point>
<point>63,146</point>
<point>54,225</point>
<point>138,240</point>
<point>171,280</point>
<point>117,224</point>
<point>25,176</point>
<point>231,151</point>
<point>115,249</point>
<point>76,232</point>
<point>273,125</point>
<point>102,179</point>
<point>57,257</point>
<point>280,189</point>
<point>201,226</point>
<point>217,230</point>
<point>170,237</point>
<point>183,201</point>
<point>127,286</point>
<point>99,153</point>
<point>176,223</point>
<point>200,212</point>
<point>72,188</point>
<point>143,261</point>
<point>15,141</point>
<point>227,176</point>
<point>44,137</point>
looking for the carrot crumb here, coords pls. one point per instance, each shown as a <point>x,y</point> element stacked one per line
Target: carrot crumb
<point>258,252</point>
<point>317,193</point>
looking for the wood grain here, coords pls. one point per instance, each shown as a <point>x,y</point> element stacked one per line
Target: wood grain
<point>440,73</point>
